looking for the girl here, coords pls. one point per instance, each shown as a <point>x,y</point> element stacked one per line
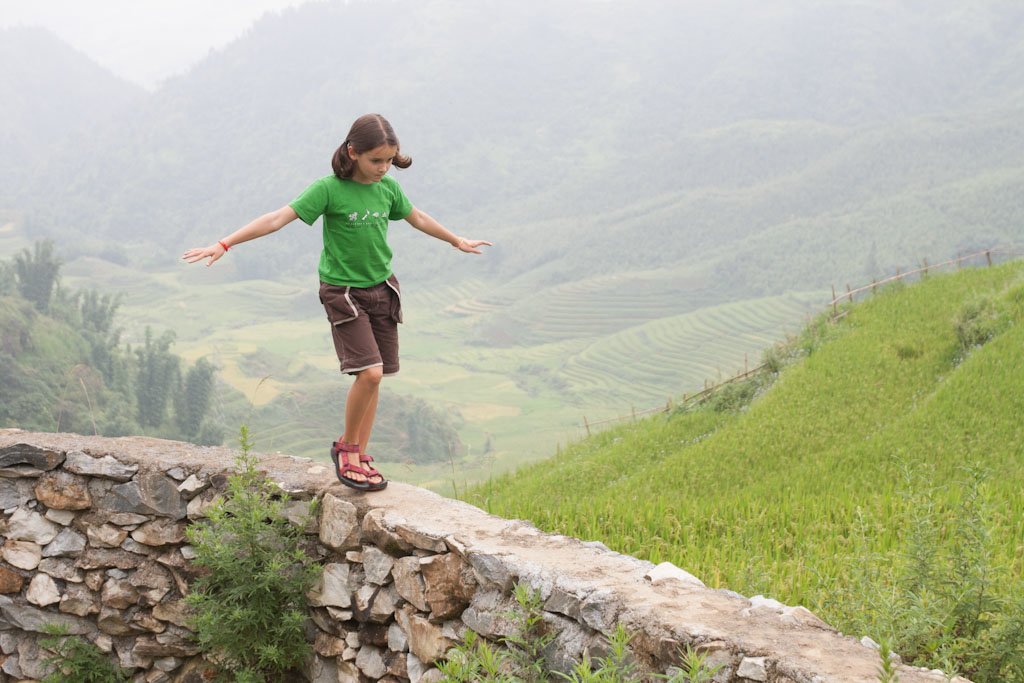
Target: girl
<point>357,288</point>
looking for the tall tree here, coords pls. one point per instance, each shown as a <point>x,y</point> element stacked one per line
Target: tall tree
<point>8,284</point>
<point>96,318</point>
<point>193,399</point>
<point>37,273</point>
<point>157,377</point>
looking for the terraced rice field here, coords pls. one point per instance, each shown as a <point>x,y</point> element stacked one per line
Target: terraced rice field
<point>676,354</point>
<point>594,307</point>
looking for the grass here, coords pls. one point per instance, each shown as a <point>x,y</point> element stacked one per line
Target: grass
<point>776,498</point>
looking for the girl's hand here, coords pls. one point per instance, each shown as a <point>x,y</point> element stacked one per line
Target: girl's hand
<point>213,252</point>
<point>471,246</point>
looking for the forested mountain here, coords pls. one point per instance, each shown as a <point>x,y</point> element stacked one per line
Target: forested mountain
<point>790,138</point>
<point>53,96</point>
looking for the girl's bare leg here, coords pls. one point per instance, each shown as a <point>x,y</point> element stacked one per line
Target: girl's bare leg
<point>360,410</point>
<point>365,429</point>
<point>366,426</point>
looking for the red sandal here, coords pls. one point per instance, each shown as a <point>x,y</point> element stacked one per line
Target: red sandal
<point>365,459</point>
<point>340,469</point>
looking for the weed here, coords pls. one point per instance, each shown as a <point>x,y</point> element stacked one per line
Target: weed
<point>886,669</point>
<point>694,668</point>
<point>615,667</point>
<point>530,635</point>
<point>979,320</point>
<point>522,659</point>
<point>76,660</point>
<point>734,397</point>
<point>476,661</point>
<point>942,610</point>
<point>251,601</point>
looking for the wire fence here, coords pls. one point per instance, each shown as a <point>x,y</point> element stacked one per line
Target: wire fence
<point>987,257</point>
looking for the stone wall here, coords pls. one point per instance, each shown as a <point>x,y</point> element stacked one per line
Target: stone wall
<point>93,538</point>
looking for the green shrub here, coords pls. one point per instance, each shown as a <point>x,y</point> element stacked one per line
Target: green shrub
<point>530,636</point>
<point>733,397</point>
<point>251,600</point>
<point>522,657</point>
<point>76,660</point>
<point>939,607</point>
<point>615,667</point>
<point>694,669</point>
<point>475,660</point>
<point>886,667</point>
<point>979,320</point>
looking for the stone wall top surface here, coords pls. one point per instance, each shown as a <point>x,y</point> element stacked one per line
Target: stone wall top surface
<point>585,580</point>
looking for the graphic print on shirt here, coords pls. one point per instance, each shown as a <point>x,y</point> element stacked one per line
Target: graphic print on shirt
<point>354,216</point>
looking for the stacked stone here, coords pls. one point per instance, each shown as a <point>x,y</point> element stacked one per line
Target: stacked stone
<point>388,604</point>
<point>97,547</point>
<point>403,598</point>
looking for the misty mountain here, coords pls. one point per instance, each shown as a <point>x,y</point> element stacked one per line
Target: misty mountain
<point>53,96</point>
<point>779,142</point>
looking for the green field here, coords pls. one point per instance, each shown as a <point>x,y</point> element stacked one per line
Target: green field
<point>817,492</point>
<point>518,373</point>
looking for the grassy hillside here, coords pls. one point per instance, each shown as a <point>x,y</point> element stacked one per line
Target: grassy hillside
<point>863,451</point>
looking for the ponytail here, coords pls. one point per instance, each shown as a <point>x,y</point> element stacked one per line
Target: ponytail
<point>401,161</point>
<point>342,163</point>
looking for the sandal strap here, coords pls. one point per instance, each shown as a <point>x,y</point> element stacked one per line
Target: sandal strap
<point>367,458</point>
<point>347,467</point>
<point>340,445</point>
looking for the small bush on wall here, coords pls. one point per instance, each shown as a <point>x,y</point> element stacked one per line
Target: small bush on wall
<point>251,600</point>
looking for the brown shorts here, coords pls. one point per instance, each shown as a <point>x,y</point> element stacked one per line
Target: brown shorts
<point>364,324</point>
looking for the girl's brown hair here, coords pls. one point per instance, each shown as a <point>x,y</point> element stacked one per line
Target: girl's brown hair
<point>368,132</point>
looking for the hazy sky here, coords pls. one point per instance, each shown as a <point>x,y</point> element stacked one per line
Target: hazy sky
<point>143,41</point>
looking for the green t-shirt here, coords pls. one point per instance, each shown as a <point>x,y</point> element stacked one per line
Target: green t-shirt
<point>356,251</point>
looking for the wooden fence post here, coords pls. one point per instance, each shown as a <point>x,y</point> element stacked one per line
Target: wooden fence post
<point>849,293</point>
<point>586,424</point>
<point>926,267</point>
<point>835,307</point>
<point>988,256</point>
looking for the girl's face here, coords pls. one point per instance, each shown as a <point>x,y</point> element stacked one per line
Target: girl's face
<point>372,164</point>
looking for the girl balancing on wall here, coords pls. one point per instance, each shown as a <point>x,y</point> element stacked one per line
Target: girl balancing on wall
<point>357,288</point>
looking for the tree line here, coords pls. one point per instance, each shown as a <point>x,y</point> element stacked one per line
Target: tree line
<point>63,366</point>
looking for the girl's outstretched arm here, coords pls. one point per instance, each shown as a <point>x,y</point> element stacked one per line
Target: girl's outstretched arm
<point>424,223</point>
<point>264,225</point>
